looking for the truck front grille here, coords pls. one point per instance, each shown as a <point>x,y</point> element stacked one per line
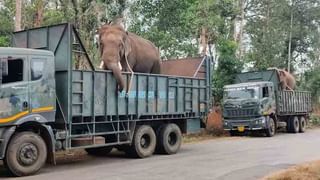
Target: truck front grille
<point>239,112</point>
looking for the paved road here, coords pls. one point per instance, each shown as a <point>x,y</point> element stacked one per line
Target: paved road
<point>225,158</point>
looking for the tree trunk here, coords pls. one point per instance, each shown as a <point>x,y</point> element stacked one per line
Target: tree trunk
<point>39,13</point>
<point>76,13</point>
<point>290,38</point>
<point>241,28</point>
<point>18,15</point>
<point>203,40</point>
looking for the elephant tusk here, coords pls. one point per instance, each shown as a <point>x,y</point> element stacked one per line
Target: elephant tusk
<point>119,64</point>
<point>101,65</point>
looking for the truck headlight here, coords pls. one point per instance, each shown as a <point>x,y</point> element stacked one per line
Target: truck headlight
<point>263,121</point>
<point>226,123</point>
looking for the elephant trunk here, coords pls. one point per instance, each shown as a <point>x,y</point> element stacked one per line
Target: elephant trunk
<point>117,74</point>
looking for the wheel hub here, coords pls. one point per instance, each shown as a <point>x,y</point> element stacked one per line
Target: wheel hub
<point>145,141</point>
<point>172,139</point>
<point>28,154</point>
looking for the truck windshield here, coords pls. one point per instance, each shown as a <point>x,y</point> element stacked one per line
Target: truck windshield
<point>241,93</point>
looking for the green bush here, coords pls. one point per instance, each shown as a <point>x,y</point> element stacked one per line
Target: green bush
<point>314,120</point>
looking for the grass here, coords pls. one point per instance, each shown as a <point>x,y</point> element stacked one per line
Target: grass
<point>314,121</point>
<point>310,171</point>
<point>205,135</point>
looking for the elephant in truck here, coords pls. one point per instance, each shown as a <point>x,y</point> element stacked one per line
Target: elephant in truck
<point>120,49</point>
<point>287,80</point>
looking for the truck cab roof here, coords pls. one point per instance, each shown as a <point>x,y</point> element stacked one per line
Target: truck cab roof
<point>24,51</point>
<point>246,84</point>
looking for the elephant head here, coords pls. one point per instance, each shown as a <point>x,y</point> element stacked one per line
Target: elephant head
<point>114,48</point>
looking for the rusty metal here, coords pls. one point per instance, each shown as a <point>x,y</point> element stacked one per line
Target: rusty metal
<point>184,67</point>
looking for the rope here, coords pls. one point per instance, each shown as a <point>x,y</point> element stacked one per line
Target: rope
<point>132,73</point>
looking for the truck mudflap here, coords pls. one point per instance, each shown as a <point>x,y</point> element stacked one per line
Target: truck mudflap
<point>5,135</point>
<point>245,125</point>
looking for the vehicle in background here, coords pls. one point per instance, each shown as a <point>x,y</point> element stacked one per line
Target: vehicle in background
<point>256,102</point>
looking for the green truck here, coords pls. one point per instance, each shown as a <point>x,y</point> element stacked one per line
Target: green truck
<point>256,102</point>
<point>53,99</point>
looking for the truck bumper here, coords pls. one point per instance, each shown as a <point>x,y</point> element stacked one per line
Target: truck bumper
<point>242,125</point>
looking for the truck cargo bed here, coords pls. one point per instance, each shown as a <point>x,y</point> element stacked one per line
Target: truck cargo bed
<point>293,102</point>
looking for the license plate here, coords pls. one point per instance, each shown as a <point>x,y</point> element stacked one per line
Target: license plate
<point>241,128</point>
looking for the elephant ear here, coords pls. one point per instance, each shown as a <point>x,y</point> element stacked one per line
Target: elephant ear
<point>282,74</point>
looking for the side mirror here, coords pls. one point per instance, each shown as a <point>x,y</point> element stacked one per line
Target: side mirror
<point>4,67</point>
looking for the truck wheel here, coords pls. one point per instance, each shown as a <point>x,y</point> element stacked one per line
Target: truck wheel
<point>143,143</point>
<point>169,139</point>
<point>302,123</point>
<point>294,124</point>
<point>99,151</point>
<point>26,154</point>
<point>271,128</point>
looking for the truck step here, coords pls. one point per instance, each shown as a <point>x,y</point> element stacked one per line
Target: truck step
<point>85,141</point>
<point>77,81</point>
<point>78,103</point>
<point>77,92</point>
<point>99,134</point>
<point>281,124</point>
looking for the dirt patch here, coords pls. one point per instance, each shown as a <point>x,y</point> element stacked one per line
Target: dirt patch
<point>214,121</point>
<point>71,156</point>
<point>203,135</point>
<point>310,171</point>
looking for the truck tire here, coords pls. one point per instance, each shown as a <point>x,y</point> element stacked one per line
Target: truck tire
<point>302,124</point>
<point>169,139</point>
<point>99,151</point>
<point>294,124</point>
<point>143,143</point>
<point>271,130</point>
<point>26,154</point>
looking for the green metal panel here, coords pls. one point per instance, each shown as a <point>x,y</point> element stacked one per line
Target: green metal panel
<point>294,102</point>
<point>193,126</point>
<point>256,76</point>
<point>142,98</point>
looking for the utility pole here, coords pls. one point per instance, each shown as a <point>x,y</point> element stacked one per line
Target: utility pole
<point>290,38</point>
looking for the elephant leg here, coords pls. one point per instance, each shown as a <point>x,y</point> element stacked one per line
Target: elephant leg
<point>156,68</point>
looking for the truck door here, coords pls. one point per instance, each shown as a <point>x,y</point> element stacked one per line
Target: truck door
<point>14,102</point>
<point>42,86</point>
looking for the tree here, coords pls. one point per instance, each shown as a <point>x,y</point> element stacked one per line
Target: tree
<point>269,26</point>
<point>18,15</point>
<point>228,67</point>
<point>39,6</point>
